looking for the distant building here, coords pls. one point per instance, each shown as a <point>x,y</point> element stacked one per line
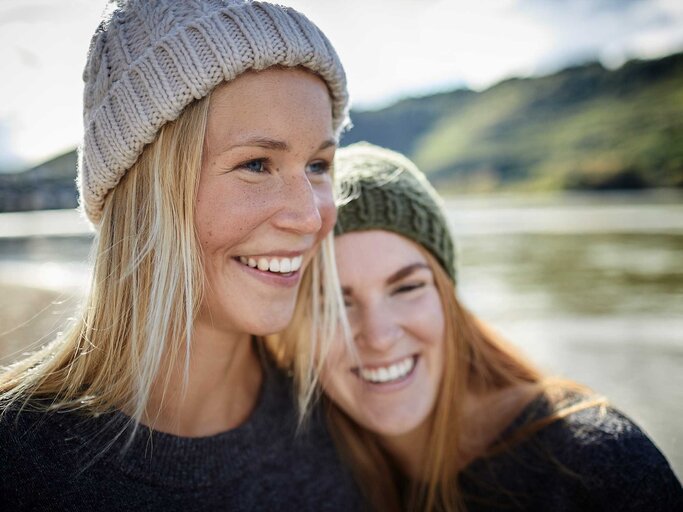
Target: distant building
<point>47,186</point>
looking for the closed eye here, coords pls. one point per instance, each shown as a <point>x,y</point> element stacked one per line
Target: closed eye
<point>407,288</point>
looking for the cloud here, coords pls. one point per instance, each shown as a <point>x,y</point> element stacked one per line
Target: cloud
<point>390,48</point>
<point>44,48</point>
<point>610,30</point>
<point>394,48</point>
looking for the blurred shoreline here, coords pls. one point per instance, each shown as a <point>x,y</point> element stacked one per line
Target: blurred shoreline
<point>30,317</point>
<point>614,208</point>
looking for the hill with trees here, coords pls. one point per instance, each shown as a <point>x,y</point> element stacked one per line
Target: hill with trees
<point>585,127</point>
<point>582,128</point>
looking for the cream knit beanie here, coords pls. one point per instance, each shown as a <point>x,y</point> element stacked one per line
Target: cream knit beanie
<point>149,59</point>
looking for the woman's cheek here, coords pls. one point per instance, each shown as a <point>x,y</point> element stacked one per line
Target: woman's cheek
<point>328,211</point>
<point>336,368</point>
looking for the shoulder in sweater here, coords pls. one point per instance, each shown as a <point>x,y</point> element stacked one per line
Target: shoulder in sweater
<point>594,459</point>
<point>74,460</point>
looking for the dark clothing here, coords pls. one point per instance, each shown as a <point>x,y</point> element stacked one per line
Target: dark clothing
<point>65,461</point>
<point>589,461</point>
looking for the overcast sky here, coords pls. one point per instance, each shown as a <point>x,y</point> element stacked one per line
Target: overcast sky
<point>390,49</point>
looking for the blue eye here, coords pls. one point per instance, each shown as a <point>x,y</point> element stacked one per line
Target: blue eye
<point>319,167</point>
<point>257,166</point>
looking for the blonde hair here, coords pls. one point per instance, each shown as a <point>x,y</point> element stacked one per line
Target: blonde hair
<point>319,316</point>
<point>476,360</point>
<point>136,322</point>
<point>145,290</point>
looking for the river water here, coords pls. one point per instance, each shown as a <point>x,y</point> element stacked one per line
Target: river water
<point>589,287</point>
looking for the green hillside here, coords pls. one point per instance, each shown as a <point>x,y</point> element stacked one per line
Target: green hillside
<point>585,127</point>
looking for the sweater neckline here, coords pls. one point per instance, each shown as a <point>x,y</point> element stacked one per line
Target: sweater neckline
<point>170,460</point>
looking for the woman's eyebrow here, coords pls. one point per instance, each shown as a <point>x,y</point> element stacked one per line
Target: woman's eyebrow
<point>328,143</point>
<point>261,142</point>
<point>405,272</point>
<point>396,276</point>
<point>274,144</point>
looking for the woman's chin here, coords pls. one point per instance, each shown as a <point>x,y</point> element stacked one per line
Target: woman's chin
<point>392,426</point>
<point>267,331</point>
<point>272,325</point>
<point>253,319</point>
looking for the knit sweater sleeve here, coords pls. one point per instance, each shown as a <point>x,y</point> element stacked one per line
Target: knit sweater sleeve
<point>619,465</point>
<point>593,460</point>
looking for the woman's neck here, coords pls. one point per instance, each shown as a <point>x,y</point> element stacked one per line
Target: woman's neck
<point>488,415</point>
<point>224,376</point>
<point>409,449</point>
<point>485,417</point>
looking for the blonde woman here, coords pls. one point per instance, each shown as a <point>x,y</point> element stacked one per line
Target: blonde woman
<point>209,132</point>
<point>435,412</point>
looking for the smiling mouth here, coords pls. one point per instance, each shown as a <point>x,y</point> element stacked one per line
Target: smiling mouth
<point>280,266</point>
<point>389,374</point>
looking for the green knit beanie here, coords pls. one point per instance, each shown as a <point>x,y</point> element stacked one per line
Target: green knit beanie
<point>380,189</point>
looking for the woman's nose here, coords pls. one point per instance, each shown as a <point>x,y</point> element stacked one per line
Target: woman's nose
<point>301,206</point>
<point>378,330</point>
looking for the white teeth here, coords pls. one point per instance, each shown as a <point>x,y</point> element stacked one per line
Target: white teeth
<point>276,265</point>
<point>390,373</point>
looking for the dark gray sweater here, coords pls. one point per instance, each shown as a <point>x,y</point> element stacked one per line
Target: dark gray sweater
<point>587,462</point>
<point>71,462</point>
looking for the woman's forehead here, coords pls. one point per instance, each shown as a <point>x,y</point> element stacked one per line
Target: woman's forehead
<point>374,255</point>
<point>277,104</point>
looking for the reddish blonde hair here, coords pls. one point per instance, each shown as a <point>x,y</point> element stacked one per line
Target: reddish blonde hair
<point>476,361</point>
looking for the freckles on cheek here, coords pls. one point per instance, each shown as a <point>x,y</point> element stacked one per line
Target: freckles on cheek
<point>206,241</point>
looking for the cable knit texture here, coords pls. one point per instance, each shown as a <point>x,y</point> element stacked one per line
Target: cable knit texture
<point>381,189</point>
<point>149,59</point>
